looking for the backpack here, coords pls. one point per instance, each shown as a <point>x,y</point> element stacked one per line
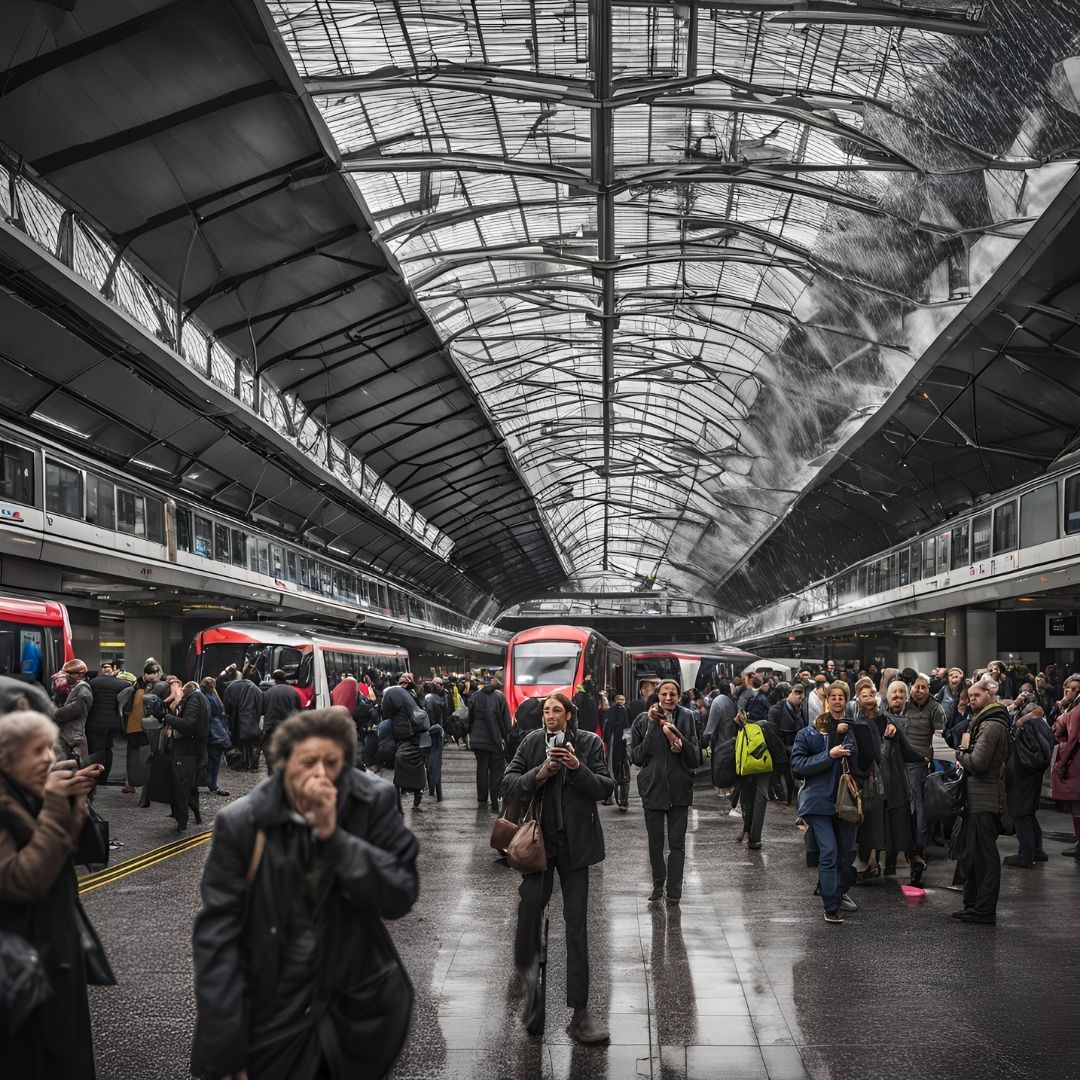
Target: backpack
<point>751,752</point>
<point>386,752</point>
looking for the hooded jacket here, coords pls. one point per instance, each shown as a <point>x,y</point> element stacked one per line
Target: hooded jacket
<point>243,948</point>
<point>489,721</point>
<point>984,760</point>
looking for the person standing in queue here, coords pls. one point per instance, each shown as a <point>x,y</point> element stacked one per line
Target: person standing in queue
<point>817,758</point>
<point>664,746</point>
<point>296,977</point>
<point>566,768</point>
<point>489,727</point>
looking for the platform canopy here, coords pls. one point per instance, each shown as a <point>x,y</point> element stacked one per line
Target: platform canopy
<point>682,250</point>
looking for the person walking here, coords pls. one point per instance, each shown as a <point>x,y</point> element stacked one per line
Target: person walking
<point>787,719</point>
<point>1030,747</point>
<point>564,769</point>
<point>817,758</point>
<point>280,701</point>
<point>217,741</point>
<point>617,736</point>
<point>759,754</point>
<point>143,699</point>
<point>296,977</point>
<point>185,732</point>
<point>42,813</point>
<point>489,724</point>
<point>983,750</point>
<point>664,746</point>
<point>243,701</point>
<point>73,699</point>
<point>103,719</point>
<point>407,722</point>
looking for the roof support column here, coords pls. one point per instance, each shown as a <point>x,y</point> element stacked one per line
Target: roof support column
<point>602,174</point>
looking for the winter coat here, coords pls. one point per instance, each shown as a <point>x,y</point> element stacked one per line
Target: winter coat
<point>1065,777</point>
<point>1023,788</point>
<point>569,797</point>
<point>140,700</point>
<point>104,713</point>
<point>243,702</point>
<point>70,718</point>
<point>984,761</point>
<point>39,901</point>
<point>248,1017</point>
<point>786,720</point>
<point>615,726</point>
<point>489,721</point>
<point>280,701</point>
<point>923,720</point>
<point>720,732</point>
<point>435,755</point>
<point>810,761</point>
<point>896,754</point>
<point>407,721</point>
<point>665,779</point>
<point>191,730</point>
<point>757,707</point>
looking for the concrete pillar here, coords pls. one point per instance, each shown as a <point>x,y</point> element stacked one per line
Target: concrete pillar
<point>981,633</point>
<point>145,636</point>
<point>956,638</point>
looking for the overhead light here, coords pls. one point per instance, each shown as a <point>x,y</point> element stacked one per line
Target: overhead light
<point>59,424</point>
<point>148,465</point>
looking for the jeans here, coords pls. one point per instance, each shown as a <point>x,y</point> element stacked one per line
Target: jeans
<point>980,863</point>
<point>213,766</point>
<point>535,892</point>
<point>754,800</point>
<point>676,819</point>
<point>1029,836</point>
<point>836,854</point>
<point>916,773</point>
<point>490,767</point>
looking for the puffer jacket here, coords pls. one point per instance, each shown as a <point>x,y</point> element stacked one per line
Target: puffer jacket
<point>810,762</point>
<point>984,760</point>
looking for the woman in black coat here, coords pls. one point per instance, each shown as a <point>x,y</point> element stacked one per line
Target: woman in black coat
<point>664,746</point>
<point>187,732</point>
<point>42,815</point>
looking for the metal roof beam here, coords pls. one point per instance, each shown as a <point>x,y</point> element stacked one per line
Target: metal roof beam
<point>363,161</point>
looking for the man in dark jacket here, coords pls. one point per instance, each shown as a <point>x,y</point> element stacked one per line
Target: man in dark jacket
<point>647,684</point>
<point>754,787</point>
<point>408,721</point>
<point>720,738</point>
<point>787,718</point>
<point>103,720</point>
<point>295,975</point>
<point>616,735</point>
<point>570,777</point>
<point>983,750</point>
<point>664,746</point>
<point>756,705</point>
<point>280,701</point>
<point>243,701</point>
<point>489,726</point>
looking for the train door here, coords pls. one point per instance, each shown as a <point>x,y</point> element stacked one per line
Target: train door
<point>321,688</point>
<point>615,669</point>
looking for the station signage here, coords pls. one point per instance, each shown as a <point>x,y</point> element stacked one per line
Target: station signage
<point>1065,626</point>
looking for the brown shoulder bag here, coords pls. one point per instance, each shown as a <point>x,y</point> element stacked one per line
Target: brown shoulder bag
<point>526,852</point>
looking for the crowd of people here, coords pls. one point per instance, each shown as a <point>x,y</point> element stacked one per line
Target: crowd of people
<point>295,973</point>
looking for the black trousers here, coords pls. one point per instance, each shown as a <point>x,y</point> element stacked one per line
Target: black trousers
<point>675,819</point>
<point>980,863</point>
<point>535,892</point>
<point>100,741</point>
<point>490,767</point>
<point>754,800</point>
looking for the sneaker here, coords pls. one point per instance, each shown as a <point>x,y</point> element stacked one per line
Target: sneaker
<point>734,813</point>
<point>848,904</point>
<point>833,917</point>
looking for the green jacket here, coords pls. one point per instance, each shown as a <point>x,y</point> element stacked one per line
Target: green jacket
<point>984,760</point>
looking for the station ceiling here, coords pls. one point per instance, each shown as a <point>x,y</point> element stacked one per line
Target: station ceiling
<point>599,287</point>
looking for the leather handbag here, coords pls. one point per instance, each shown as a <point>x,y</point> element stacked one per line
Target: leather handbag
<point>849,803</point>
<point>503,831</point>
<point>93,849</point>
<point>944,795</point>
<point>526,852</point>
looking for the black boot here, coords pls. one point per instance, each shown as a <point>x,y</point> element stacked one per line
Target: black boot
<point>438,792</point>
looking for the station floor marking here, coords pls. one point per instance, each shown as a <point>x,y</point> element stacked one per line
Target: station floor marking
<point>98,880</point>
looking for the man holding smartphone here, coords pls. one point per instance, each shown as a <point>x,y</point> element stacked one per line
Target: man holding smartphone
<point>664,746</point>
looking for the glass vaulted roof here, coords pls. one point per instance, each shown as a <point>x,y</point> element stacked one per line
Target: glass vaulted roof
<point>670,244</point>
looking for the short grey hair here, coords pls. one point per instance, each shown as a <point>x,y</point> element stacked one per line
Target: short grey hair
<point>921,677</point>
<point>18,728</point>
<point>988,684</point>
<point>896,682</point>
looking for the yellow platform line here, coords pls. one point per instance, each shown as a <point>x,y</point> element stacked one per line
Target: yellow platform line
<point>150,858</point>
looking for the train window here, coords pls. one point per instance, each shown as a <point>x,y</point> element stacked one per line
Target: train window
<point>183,529</point>
<point>155,520</point>
<point>288,659</point>
<point>277,561</point>
<point>204,537</point>
<point>1004,527</point>
<point>916,561</point>
<point>131,515</point>
<point>222,547</point>
<point>943,552</point>
<point>1038,515</point>
<point>100,502</point>
<point>251,555</point>
<point>904,558</point>
<point>264,558</point>
<point>326,585</point>
<point>1072,505</point>
<point>960,544</point>
<point>63,489</point>
<point>16,474</point>
<point>305,573</point>
<point>239,546</point>
<point>290,566</point>
<point>980,537</point>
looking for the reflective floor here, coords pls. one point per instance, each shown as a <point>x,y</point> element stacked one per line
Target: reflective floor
<point>744,981</point>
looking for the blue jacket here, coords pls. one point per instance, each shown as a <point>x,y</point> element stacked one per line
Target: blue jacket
<point>810,761</point>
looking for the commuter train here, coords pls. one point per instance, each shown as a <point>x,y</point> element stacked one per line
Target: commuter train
<point>58,506</point>
<point>691,666</point>
<point>1028,528</point>
<point>35,638</point>
<point>555,660</point>
<point>313,662</point>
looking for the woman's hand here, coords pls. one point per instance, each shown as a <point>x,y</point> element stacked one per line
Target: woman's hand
<point>320,806</point>
<point>548,769</point>
<point>838,752</point>
<point>656,714</point>
<point>69,784</point>
<point>841,729</point>
<point>673,736</point>
<point>890,731</point>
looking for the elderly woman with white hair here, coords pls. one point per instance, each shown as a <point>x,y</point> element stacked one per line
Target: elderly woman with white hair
<point>897,754</point>
<point>42,813</point>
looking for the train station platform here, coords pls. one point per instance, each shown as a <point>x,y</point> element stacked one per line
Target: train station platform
<point>744,981</point>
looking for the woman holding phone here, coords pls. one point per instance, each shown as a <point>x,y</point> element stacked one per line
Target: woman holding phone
<point>42,813</point>
<point>664,746</point>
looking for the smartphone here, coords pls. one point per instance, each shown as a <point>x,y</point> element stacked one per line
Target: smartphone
<point>555,738</point>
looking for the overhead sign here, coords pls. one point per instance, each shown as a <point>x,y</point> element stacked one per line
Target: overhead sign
<point>1065,626</point>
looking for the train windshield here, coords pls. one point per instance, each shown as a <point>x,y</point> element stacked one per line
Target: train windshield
<point>217,657</point>
<point>546,663</point>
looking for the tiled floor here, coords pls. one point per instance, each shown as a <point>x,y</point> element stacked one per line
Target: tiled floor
<point>745,980</point>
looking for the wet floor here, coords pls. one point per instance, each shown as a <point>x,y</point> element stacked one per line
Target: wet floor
<point>745,980</point>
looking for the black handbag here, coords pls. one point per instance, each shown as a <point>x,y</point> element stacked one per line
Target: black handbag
<point>93,849</point>
<point>159,782</point>
<point>98,970</point>
<point>944,794</point>
<point>24,983</point>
